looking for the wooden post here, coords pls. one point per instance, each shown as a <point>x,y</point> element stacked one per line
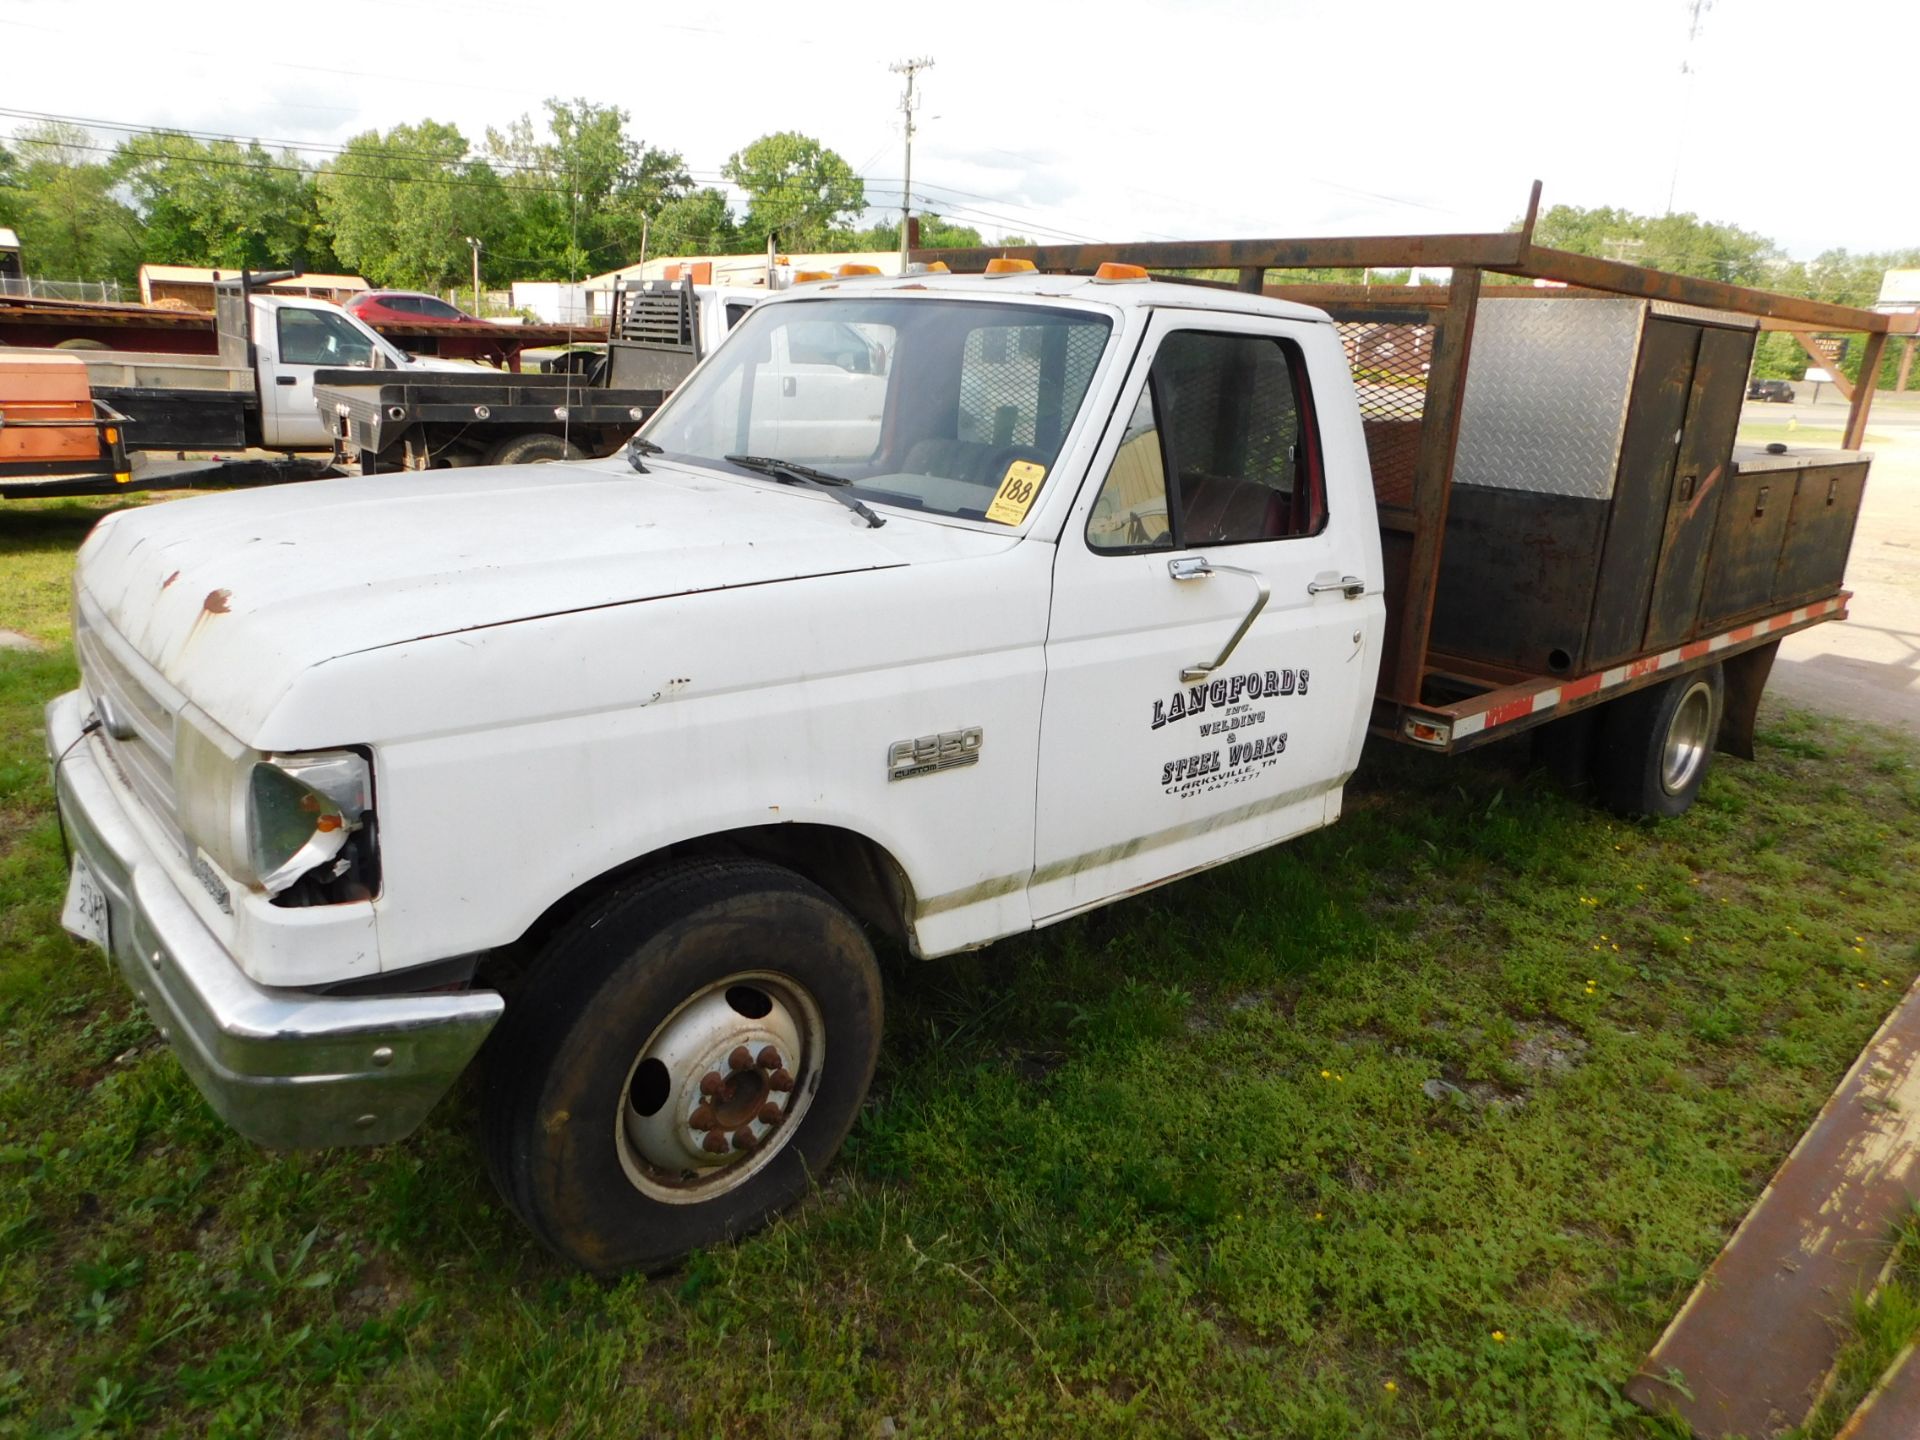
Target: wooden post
<point>1863,391</point>
<point>1253,279</point>
<point>1906,366</point>
<point>1433,479</point>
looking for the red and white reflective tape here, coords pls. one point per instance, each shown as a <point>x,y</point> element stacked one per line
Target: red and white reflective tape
<point>1551,697</point>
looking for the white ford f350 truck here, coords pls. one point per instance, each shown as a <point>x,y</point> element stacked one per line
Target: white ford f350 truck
<point>1074,589</point>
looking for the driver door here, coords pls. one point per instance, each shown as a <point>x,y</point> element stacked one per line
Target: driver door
<point>300,342</point>
<point>1215,626</point>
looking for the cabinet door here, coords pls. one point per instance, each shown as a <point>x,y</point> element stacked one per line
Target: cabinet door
<point>1656,422</point>
<point>1700,474</point>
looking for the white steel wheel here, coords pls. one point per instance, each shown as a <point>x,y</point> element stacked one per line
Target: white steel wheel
<point>720,1087</point>
<point>681,1062</point>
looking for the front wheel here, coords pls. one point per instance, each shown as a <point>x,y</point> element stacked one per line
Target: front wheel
<point>683,1059</point>
<point>1656,744</point>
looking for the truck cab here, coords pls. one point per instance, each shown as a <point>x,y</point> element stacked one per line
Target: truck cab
<point>292,338</point>
<point>946,606</point>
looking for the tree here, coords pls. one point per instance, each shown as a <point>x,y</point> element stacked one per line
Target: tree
<point>699,223</point>
<point>218,203</point>
<point>797,190</point>
<point>61,199</point>
<point>1683,243</point>
<point>580,196</point>
<point>398,207</point>
<point>935,234</point>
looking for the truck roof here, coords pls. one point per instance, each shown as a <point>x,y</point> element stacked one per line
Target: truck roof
<point>1161,294</point>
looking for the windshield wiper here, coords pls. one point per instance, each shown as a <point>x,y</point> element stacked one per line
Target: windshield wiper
<point>788,473</point>
<point>638,447</point>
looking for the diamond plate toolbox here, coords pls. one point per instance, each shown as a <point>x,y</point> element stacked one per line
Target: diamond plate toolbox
<point>1546,398</point>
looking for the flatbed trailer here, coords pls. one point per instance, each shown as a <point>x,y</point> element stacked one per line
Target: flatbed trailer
<point>385,420</point>
<point>1570,521</point>
<point>391,421</point>
<point>42,323</point>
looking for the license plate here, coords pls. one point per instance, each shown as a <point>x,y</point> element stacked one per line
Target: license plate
<point>85,914</point>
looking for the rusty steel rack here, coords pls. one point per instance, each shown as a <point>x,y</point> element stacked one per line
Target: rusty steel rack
<point>1432,326</point>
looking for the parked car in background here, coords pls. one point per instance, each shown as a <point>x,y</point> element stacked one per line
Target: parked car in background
<point>406,307</point>
<point>1781,390</point>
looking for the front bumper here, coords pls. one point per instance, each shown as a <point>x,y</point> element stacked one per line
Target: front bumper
<point>285,1068</point>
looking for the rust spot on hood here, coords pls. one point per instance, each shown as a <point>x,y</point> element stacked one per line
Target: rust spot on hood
<point>218,602</point>
<point>170,579</point>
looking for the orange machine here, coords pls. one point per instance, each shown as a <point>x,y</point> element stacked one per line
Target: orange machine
<point>54,437</point>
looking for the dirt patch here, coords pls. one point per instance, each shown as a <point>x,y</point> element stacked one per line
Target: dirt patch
<point>1548,1050</point>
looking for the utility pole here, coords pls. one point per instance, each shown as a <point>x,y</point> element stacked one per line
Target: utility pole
<point>1696,18</point>
<point>908,104</point>
<point>475,244</point>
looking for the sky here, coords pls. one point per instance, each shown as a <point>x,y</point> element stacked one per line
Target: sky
<point>1113,121</point>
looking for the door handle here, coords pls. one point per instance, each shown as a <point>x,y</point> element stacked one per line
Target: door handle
<point>1197,567</point>
<point>286,379</point>
<point>1352,586</point>
<point>786,385</point>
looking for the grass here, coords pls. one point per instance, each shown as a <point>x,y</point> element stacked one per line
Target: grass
<point>1813,437</point>
<point>1421,1126</point>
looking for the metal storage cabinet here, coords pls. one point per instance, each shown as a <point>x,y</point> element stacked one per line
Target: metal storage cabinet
<point>1596,441</point>
<point>1785,529</point>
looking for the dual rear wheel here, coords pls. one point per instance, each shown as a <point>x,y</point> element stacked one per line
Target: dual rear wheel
<point>1645,754</point>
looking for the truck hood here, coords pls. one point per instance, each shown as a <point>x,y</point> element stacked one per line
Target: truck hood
<point>232,597</point>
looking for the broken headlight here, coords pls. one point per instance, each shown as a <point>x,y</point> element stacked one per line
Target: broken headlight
<point>277,822</point>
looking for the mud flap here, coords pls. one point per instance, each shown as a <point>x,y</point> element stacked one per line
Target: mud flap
<point>1746,677</point>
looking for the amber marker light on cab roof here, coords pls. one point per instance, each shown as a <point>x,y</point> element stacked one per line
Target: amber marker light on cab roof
<point>1006,265</point>
<point>1112,272</point>
<point>802,277</point>
<point>852,269</point>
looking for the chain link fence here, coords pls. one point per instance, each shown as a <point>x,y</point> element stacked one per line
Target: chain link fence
<point>31,287</point>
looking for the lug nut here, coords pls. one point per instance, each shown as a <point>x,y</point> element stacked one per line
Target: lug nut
<point>769,1058</point>
<point>702,1119</point>
<point>711,1082</point>
<point>741,1058</point>
<point>743,1139</point>
<point>769,1114</point>
<point>781,1080</point>
<point>715,1143</point>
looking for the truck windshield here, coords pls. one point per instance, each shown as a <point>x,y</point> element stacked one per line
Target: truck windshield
<point>926,403</point>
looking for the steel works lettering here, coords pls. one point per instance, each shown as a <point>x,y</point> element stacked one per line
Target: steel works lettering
<point>1228,690</point>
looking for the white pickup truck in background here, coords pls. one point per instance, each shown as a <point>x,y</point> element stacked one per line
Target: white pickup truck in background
<point>937,607</point>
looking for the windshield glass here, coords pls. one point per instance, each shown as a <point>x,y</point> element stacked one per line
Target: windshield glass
<point>929,404</point>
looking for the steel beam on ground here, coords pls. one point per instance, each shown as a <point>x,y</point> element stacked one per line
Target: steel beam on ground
<point>1751,1348</point>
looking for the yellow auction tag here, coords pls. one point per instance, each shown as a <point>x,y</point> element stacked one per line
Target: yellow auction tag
<point>1017,492</point>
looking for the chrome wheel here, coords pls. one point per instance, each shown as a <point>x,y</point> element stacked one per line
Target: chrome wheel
<point>1688,737</point>
<point>720,1087</point>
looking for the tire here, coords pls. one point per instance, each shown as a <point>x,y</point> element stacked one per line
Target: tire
<point>1656,744</point>
<point>534,450</point>
<point>81,342</point>
<point>660,1002</point>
